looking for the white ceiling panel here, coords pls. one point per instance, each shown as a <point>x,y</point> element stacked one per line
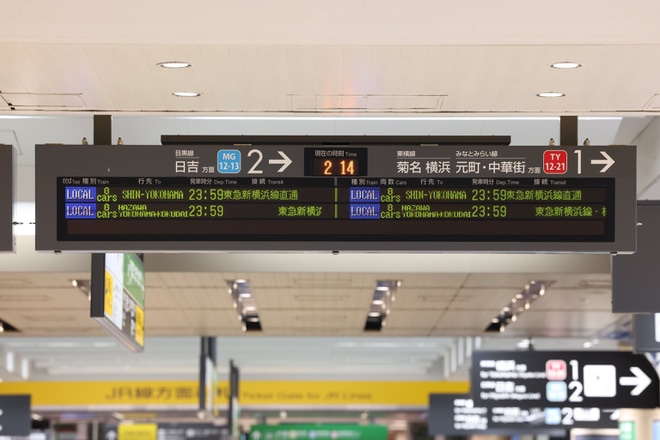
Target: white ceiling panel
<point>575,299</point>
<point>50,298</point>
<point>422,298</point>
<point>437,280</point>
<point>418,319</point>
<point>373,79</point>
<point>191,297</point>
<point>315,298</point>
<point>312,320</point>
<point>484,299</point>
<point>561,323</point>
<point>464,323</point>
<point>514,282</point>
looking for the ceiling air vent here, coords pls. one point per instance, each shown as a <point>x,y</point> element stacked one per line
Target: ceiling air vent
<point>43,101</point>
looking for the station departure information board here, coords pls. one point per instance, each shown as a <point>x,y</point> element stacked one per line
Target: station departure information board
<point>327,197</point>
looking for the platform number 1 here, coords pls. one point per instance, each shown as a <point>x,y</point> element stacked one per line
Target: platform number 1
<point>575,385</point>
<point>578,153</point>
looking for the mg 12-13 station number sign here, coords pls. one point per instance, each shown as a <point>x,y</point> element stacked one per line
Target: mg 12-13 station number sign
<point>390,197</point>
<point>602,379</point>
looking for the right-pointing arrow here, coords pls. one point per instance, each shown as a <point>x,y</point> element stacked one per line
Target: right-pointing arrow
<point>640,381</point>
<point>285,161</point>
<point>608,161</point>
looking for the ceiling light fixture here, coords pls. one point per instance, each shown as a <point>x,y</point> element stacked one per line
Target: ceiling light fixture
<point>6,327</point>
<point>85,286</point>
<point>510,312</point>
<point>590,344</point>
<point>174,64</point>
<point>186,94</point>
<point>380,305</point>
<point>550,94</point>
<point>241,293</point>
<point>565,65</point>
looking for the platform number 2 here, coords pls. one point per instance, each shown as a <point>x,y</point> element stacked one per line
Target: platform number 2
<point>575,385</point>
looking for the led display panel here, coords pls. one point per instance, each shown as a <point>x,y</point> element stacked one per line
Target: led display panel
<point>317,197</point>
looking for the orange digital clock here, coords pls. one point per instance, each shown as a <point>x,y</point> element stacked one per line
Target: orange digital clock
<point>335,167</point>
<point>335,161</point>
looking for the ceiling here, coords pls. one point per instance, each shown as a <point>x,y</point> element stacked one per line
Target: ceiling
<point>301,67</point>
<point>295,56</point>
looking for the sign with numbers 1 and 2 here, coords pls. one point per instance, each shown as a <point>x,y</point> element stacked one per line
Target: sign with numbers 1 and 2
<point>456,414</point>
<point>559,379</point>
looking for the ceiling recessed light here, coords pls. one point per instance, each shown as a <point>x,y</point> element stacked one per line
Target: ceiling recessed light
<point>187,94</point>
<point>174,65</point>
<point>550,94</point>
<point>566,65</point>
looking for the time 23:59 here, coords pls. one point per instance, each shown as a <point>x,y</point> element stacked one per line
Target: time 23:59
<point>483,211</point>
<point>206,210</point>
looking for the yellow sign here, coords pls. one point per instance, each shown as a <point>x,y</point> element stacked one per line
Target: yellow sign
<point>106,393</point>
<point>252,393</point>
<point>344,393</point>
<point>108,293</point>
<point>137,431</point>
<point>139,325</point>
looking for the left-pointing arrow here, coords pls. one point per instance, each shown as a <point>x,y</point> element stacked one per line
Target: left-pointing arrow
<point>285,161</point>
<point>608,161</point>
<point>640,381</point>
